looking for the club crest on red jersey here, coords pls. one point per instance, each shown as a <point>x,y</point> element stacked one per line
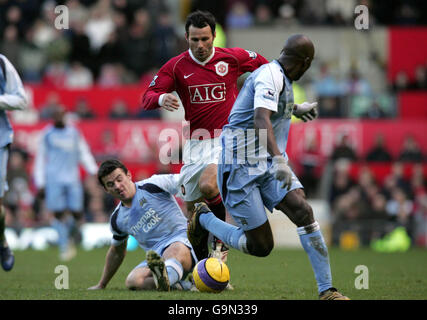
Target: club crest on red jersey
<point>221,68</point>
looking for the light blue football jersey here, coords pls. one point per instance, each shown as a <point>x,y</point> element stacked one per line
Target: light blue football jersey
<point>154,217</point>
<point>267,87</point>
<point>59,155</point>
<point>12,97</point>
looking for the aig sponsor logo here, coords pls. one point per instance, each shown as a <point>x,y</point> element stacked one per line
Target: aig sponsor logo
<point>206,93</point>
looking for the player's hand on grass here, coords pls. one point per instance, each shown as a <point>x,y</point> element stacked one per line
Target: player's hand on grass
<point>306,111</point>
<point>281,171</point>
<point>170,102</point>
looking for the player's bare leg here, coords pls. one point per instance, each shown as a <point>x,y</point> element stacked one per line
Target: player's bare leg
<point>140,279</point>
<point>209,188</point>
<point>296,207</point>
<point>162,273</point>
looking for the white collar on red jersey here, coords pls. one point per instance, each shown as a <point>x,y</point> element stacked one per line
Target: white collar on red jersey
<point>200,62</point>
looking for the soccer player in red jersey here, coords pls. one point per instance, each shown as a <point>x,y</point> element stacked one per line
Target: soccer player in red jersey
<point>205,79</point>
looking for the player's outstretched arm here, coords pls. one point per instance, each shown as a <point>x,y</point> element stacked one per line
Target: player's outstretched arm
<point>114,259</point>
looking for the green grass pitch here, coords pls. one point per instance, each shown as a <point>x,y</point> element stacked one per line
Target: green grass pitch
<point>284,275</point>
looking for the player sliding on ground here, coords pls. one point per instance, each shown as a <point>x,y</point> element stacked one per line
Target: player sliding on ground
<point>253,172</point>
<point>149,212</point>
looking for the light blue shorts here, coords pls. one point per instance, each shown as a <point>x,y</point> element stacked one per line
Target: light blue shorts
<point>4,156</point>
<point>60,197</point>
<point>246,194</point>
<point>160,247</point>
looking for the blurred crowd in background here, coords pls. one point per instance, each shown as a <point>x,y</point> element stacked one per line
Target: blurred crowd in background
<point>111,43</point>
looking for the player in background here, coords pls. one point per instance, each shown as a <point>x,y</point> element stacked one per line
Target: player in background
<point>12,97</point>
<point>61,151</point>
<point>149,212</point>
<point>253,172</point>
<point>205,79</point>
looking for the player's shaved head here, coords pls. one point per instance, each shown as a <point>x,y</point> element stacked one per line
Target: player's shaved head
<point>296,56</point>
<point>299,46</point>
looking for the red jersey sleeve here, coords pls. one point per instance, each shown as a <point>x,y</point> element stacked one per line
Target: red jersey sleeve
<point>163,82</point>
<point>248,60</point>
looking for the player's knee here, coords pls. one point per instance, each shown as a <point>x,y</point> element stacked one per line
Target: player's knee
<point>261,249</point>
<point>134,282</point>
<point>304,215</point>
<point>208,188</point>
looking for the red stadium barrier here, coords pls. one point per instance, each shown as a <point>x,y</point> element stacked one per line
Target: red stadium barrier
<point>139,140</point>
<point>412,105</point>
<point>380,171</point>
<point>99,99</point>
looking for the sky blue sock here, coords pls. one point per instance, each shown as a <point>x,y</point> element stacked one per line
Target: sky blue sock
<point>174,269</point>
<point>313,243</point>
<point>63,232</point>
<point>231,235</point>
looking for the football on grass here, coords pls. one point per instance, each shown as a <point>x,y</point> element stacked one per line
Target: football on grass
<point>211,275</point>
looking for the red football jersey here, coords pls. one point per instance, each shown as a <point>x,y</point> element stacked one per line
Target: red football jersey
<point>207,89</point>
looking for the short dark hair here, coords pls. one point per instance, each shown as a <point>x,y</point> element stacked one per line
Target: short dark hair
<point>109,166</point>
<point>200,19</point>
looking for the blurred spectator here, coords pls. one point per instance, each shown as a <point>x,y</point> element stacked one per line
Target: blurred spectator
<point>10,44</point>
<point>311,163</point>
<point>329,107</point>
<point>55,75</point>
<point>119,110</point>
<point>78,77</point>
<point>420,81</point>
<point>340,12</point>
<point>109,148</point>
<point>44,31</point>
<point>99,25</point>
<point>109,76</point>
<point>327,85</point>
<point>32,59</point>
<point>401,82</point>
<point>263,16</point>
<point>396,179</point>
<point>349,206</point>
<point>109,53</point>
<point>418,180</point>
<point>328,91</point>
<point>166,38</point>
<point>378,152</point>
<point>239,16</point>
<point>378,207</point>
<point>19,198</point>
<point>356,85</point>
<point>139,44</point>
<point>343,149</point>
<point>312,12</point>
<point>80,45</point>
<point>48,108</point>
<point>410,151</point>
<point>82,109</point>
<point>407,14</point>
<point>375,111</point>
<point>420,220</point>
<point>77,12</point>
<point>342,181</point>
<point>399,207</point>
<point>14,17</point>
